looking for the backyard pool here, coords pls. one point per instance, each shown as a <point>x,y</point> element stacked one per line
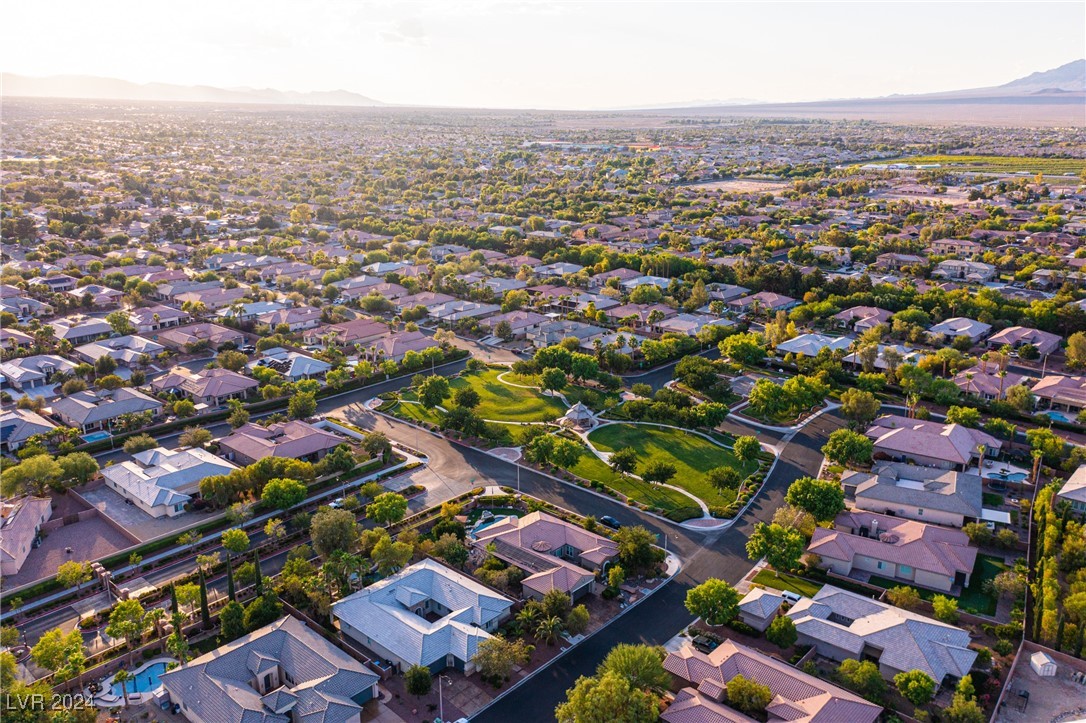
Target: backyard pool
<point>1058,416</point>
<point>483,524</point>
<point>1008,476</point>
<point>96,436</point>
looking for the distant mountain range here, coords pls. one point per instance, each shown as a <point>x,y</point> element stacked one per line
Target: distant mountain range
<point>1054,97</point>
<point>86,86</point>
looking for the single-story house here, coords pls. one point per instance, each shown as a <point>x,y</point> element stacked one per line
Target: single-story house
<point>812,344</point>
<point>186,338</point>
<point>294,439</point>
<point>1074,490</point>
<point>930,443</point>
<point>862,318</point>
<point>759,608</point>
<point>162,481</point>
<point>1017,336</point>
<point>92,410</point>
<point>987,384</point>
<point>19,425</point>
<point>212,387</point>
<point>957,326</point>
<point>1059,392</point>
<point>928,494</point>
<point>127,351</point>
<point>19,526</point>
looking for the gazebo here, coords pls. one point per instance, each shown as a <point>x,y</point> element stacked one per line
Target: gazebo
<point>578,416</point>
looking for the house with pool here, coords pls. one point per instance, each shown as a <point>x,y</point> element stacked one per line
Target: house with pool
<point>280,673</point>
<point>426,614</point>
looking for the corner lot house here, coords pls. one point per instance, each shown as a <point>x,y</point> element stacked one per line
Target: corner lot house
<point>293,439</point>
<point>426,614</point>
<point>20,522</point>
<point>941,497</point>
<point>867,543</point>
<point>946,446</point>
<point>279,673</point>
<point>161,481</point>
<point>797,697</point>
<point>844,625</point>
<point>555,554</point>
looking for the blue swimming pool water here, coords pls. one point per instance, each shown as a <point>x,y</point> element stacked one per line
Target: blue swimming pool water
<point>144,681</point>
<point>95,436</point>
<point>1009,477</point>
<point>1058,416</point>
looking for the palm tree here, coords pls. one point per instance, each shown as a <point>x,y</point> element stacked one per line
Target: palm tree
<point>528,617</point>
<point>548,629</point>
<point>1002,378</point>
<point>123,676</point>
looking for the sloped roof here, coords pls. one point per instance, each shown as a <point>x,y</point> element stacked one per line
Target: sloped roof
<point>926,487</point>
<point>380,612</point>
<point>216,686</point>
<point>908,641</point>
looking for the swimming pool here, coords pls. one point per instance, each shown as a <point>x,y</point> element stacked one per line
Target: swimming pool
<point>144,680</point>
<point>487,523</point>
<point>96,436</point>
<point>1008,477</point>
<point>1058,416</point>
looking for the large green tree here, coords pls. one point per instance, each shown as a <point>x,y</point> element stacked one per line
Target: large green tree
<point>715,601</point>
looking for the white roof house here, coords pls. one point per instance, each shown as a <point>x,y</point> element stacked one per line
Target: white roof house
<point>426,614</point>
<point>161,481</point>
<point>1074,490</point>
<point>812,344</point>
<point>842,624</point>
<point>960,326</point>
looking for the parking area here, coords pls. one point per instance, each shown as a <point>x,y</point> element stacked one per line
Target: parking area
<point>135,520</point>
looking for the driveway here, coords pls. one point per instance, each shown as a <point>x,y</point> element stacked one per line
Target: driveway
<point>135,520</point>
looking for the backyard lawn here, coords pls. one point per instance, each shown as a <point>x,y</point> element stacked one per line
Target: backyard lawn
<point>798,585</point>
<point>593,469</point>
<point>973,598</point>
<point>692,455</point>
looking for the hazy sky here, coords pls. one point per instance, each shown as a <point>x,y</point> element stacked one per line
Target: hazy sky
<point>553,54</point>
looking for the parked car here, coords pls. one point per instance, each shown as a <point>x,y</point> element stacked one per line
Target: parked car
<point>611,522</point>
<point>704,644</point>
<point>792,597</point>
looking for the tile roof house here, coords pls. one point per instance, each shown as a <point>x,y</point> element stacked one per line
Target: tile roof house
<point>291,364</point>
<point>1016,336</point>
<point>20,522</point>
<point>1057,391</point>
<point>764,301</point>
<point>987,384</point>
<point>1074,490</point>
<point>297,318</point>
<point>842,625</point>
<point>929,443</point>
<point>281,673</point>
<point>395,346</point>
<point>91,410</point>
<point>862,318</point>
<point>759,607</point>
<point>937,558</point>
<point>554,553</point>
<point>127,351</point>
<point>155,318</point>
<point>960,326</point>
<point>30,372</point>
<point>520,322</point>
<point>162,481</point>
<point>294,439</point>
<point>426,614</point>
<point>210,386</point>
<point>972,271</point>
<point>80,329</point>
<point>185,338</point>
<point>797,696</point>
<point>928,494</point>
<point>812,344</point>
<point>347,333</point>
<point>19,425</point>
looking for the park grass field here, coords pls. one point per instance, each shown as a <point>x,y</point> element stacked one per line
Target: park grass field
<point>502,402</point>
<point>999,164</point>
<point>691,455</point>
<point>593,469</point>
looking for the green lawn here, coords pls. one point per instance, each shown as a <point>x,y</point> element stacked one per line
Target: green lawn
<point>798,585</point>
<point>991,499</point>
<point>973,597</point>
<point>416,412</point>
<point>593,469</point>
<point>502,402</point>
<point>690,454</point>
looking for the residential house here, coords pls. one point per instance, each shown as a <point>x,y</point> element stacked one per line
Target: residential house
<point>19,425</point>
<point>864,543</point>
<point>12,339</point>
<point>957,326</point>
<point>20,522</point>
<point>213,298</point>
<point>975,272</point>
<point>927,494</point>
<point>102,297</point>
<point>765,302</point>
<point>843,625</point>
<point>555,554</point>
<point>427,614</point>
<point>557,269</point>
<point>1074,490</point>
<point>292,364</point>
<point>80,329</point>
<point>155,318</point>
<point>553,332</point>
<point>887,356</point>
<point>1017,336</point>
<point>759,608</point>
<point>24,307</point>
<point>835,254</point>
<point>395,346</point>
<point>796,696</point>
<point>296,318</point>
<point>56,284</point>
<point>961,247</point>
<point>212,387</point>
<point>520,322</point>
<point>32,372</point>
<point>812,344</point>
<point>1059,393</point>
<point>188,338</point>
<point>689,324</point>
<point>348,333</point>
<point>127,351</point>
<point>862,318</point>
<point>896,262</point>
<point>987,384</point>
<point>294,439</point>
<point>638,316</point>
<point>95,410</point>
<point>279,673</point>
<point>162,481</point>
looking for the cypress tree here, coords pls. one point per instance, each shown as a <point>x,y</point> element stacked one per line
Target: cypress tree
<point>205,611</point>
<point>229,578</point>
<point>259,584</point>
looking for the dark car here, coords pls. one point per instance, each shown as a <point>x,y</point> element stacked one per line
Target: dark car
<point>704,644</point>
<point>611,522</point>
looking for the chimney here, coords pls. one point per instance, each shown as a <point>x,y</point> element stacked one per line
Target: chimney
<point>875,528</point>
